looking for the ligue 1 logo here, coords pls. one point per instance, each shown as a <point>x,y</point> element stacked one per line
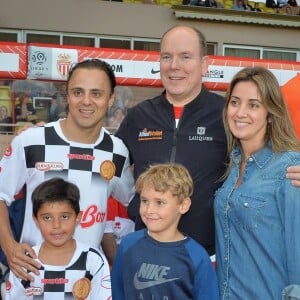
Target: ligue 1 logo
<point>38,58</point>
<point>64,64</point>
<point>38,64</point>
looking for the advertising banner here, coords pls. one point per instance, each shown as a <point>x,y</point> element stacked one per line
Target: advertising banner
<point>222,69</point>
<point>51,63</point>
<point>13,60</point>
<point>133,67</point>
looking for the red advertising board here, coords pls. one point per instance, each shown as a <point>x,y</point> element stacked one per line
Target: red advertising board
<point>132,67</point>
<point>13,60</point>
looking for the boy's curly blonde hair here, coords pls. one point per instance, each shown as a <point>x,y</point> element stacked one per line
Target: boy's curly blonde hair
<point>171,177</point>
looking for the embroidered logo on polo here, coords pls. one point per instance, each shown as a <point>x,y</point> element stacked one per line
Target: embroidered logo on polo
<point>151,275</point>
<point>201,135</point>
<point>147,135</point>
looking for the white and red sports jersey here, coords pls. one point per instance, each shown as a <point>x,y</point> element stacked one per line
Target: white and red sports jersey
<point>41,153</point>
<point>117,221</point>
<point>57,282</point>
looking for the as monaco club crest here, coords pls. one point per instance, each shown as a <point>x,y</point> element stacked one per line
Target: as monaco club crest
<point>64,64</point>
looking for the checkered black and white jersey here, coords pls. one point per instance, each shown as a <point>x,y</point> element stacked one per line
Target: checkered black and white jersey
<point>41,153</point>
<point>56,282</point>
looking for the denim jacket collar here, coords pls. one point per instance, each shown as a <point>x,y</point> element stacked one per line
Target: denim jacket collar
<point>261,157</point>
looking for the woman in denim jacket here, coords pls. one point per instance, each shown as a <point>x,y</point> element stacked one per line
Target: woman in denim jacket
<point>257,210</point>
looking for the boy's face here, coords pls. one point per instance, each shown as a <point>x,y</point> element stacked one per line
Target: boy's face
<point>161,213</point>
<point>57,222</point>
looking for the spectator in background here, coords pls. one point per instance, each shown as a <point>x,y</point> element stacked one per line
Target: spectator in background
<point>5,119</point>
<point>24,111</point>
<point>213,3</point>
<point>61,94</point>
<point>238,5</point>
<point>57,109</point>
<point>271,4</point>
<point>52,112</point>
<point>292,7</point>
<point>247,6</point>
<point>256,7</point>
<point>282,3</point>
<point>115,119</point>
<point>197,2</point>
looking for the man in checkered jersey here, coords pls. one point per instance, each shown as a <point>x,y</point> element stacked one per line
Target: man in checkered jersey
<point>79,150</point>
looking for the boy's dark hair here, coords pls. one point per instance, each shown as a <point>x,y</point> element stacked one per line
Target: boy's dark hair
<point>55,190</point>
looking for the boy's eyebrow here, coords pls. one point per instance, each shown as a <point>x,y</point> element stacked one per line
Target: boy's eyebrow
<point>61,212</point>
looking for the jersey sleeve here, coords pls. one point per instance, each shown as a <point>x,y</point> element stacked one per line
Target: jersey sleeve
<point>13,170</point>
<point>15,289</point>
<point>124,188</point>
<point>101,285</point>
<point>109,227</point>
<point>111,214</point>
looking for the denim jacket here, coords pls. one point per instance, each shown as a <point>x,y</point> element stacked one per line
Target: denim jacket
<point>257,228</point>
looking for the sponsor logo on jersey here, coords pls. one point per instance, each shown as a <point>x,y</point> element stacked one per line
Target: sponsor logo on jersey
<point>33,290</point>
<point>105,282</point>
<point>47,166</point>
<point>8,286</point>
<point>8,151</point>
<point>91,216</point>
<point>146,135</point>
<point>81,156</point>
<point>55,280</point>
<point>118,225</point>
<point>151,275</point>
<point>201,135</point>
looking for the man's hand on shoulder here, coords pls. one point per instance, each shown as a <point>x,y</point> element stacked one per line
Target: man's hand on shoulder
<point>25,127</point>
<point>21,260</point>
<point>293,173</point>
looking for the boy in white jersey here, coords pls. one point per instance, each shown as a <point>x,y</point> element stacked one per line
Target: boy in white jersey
<point>69,269</point>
